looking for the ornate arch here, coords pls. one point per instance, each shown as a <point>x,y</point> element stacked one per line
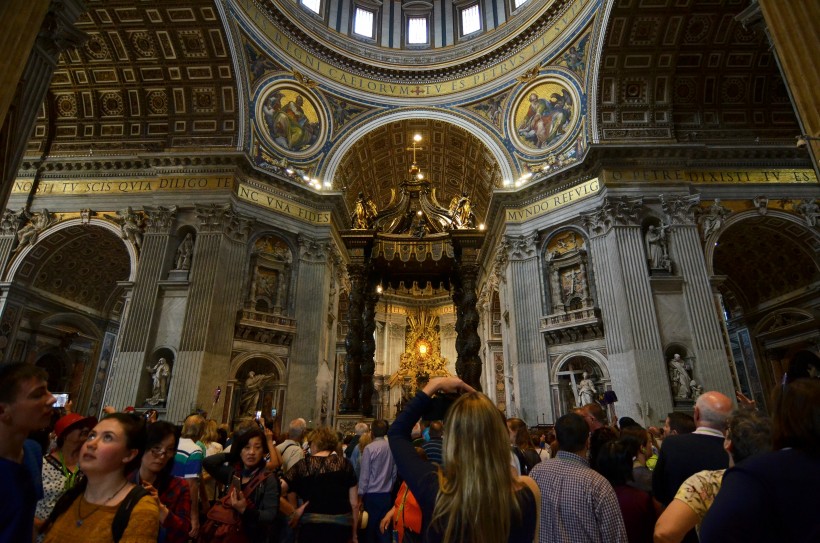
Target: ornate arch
<point>278,363</point>
<point>20,257</point>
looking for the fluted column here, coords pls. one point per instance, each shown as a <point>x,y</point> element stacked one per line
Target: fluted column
<point>794,29</point>
<point>8,236</point>
<point>353,340</point>
<point>214,296</point>
<point>528,349</point>
<point>56,34</point>
<point>711,366</point>
<point>135,331</point>
<point>307,352</point>
<point>635,354</point>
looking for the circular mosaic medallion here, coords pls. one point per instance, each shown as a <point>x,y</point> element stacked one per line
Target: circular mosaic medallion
<point>289,118</point>
<point>544,115</point>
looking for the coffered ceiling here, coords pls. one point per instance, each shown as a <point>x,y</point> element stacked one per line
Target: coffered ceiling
<point>153,75</point>
<point>451,158</point>
<point>687,70</point>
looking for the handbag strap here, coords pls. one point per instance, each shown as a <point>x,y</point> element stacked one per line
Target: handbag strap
<point>401,507</point>
<point>257,480</point>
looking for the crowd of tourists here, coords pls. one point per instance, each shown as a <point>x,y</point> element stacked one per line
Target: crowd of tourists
<point>451,468</point>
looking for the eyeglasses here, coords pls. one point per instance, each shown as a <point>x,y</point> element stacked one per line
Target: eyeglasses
<point>159,452</point>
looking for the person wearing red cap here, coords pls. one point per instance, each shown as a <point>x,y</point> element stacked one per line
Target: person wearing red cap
<point>61,468</point>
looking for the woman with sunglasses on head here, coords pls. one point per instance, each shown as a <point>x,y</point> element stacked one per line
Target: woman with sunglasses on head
<point>87,512</point>
<point>155,475</point>
<point>61,468</point>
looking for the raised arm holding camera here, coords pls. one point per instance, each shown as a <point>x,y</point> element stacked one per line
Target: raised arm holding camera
<point>465,499</point>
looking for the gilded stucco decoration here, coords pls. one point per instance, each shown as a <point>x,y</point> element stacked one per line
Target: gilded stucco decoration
<point>545,115</point>
<point>290,119</point>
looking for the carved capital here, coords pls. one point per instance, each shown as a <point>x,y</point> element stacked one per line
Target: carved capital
<point>238,227</point>
<point>212,217</point>
<point>680,209</point>
<point>159,219</point>
<point>519,247</point>
<point>624,211</point>
<point>313,250</point>
<point>9,223</point>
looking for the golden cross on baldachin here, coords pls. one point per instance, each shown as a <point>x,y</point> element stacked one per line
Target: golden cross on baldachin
<point>415,148</point>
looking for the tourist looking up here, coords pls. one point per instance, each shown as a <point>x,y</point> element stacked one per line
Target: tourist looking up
<point>87,511</point>
<point>474,496</point>
<point>25,406</point>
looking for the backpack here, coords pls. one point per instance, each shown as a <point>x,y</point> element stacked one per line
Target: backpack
<point>121,517</point>
<point>224,523</point>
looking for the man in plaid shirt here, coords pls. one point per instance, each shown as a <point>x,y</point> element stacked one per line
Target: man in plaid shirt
<point>577,503</point>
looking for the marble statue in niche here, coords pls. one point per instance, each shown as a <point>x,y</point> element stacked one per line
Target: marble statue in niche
<point>160,377</point>
<point>184,253</point>
<point>657,248</point>
<point>252,391</point>
<point>679,378</point>
<point>586,390</point>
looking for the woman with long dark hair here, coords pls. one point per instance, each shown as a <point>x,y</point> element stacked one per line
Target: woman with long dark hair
<point>173,493</point>
<point>475,497</point>
<point>254,493</point>
<point>87,511</point>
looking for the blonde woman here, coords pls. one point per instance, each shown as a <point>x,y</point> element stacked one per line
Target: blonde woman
<point>212,447</point>
<point>475,497</point>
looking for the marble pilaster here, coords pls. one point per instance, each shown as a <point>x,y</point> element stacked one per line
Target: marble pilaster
<point>135,331</point>
<point>307,352</point>
<point>711,367</point>
<point>527,348</point>
<point>634,351</point>
<point>203,359</point>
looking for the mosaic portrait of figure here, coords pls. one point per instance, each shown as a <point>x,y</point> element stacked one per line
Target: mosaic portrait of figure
<point>544,114</point>
<point>290,120</point>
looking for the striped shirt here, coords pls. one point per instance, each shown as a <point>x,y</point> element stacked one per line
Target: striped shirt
<point>188,460</point>
<point>433,450</point>
<point>577,503</point>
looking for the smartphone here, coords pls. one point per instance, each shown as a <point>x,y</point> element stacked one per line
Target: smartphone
<point>258,415</point>
<point>236,483</point>
<point>273,413</point>
<point>62,399</point>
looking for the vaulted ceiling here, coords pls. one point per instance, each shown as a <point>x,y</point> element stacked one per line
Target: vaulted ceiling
<point>687,70</point>
<point>153,76</point>
<point>451,158</point>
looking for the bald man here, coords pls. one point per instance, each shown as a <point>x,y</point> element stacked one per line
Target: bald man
<point>684,455</point>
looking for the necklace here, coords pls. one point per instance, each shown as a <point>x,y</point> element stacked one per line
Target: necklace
<point>81,518</point>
